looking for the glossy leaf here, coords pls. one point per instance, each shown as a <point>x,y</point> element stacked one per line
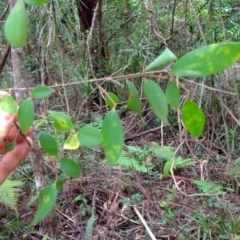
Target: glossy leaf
<point>134,102</point>
<point>48,143</point>
<point>193,118</point>
<point>111,99</point>
<point>207,60</point>
<point>162,61</point>
<point>59,185</point>
<point>156,99</point>
<point>35,2</point>
<point>70,167</point>
<point>15,28</point>
<point>89,136</point>
<point>8,105</point>
<point>26,115</point>
<point>71,142</point>
<point>47,199</point>
<point>173,94</point>
<point>112,137</point>
<point>41,91</point>
<point>62,121</point>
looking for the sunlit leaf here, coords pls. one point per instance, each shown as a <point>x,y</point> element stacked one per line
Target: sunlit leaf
<point>173,94</point>
<point>193,118</point>
<point>70,167</point>
<point>162,61</point>
<point>111,99</point>
<point>15,28</point>
<point>41,91</point>
<point>26,115</point>
<point>71,142</point>
<point>112,137</point>
<point>89,136</point>
<point>156,99</point>
<point>47,199</point>
<point>207,60</point>
<point>62,121</point>
<point>48,143</point>
<point>134,102</point>
<point>36,2</point>
<point>8,105</point>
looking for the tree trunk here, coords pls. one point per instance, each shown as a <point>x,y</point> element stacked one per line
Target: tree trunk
<point>36,155</point>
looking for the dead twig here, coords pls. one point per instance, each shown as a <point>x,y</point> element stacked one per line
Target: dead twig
<point>144,223</point>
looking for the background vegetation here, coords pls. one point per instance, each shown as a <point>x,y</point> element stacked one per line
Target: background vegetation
<point>198,199</point>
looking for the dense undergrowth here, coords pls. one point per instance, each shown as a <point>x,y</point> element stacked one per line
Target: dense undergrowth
<point>183,187</point>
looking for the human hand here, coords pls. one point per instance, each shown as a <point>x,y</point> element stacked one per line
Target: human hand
<point>10,133</point>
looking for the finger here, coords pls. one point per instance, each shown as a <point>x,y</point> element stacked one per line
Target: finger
<point>12,159</point>
<point>14,134</point>
<point>6,122</point>
<point>3,93</point>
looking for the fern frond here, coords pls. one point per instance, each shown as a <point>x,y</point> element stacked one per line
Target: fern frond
<point>234,172</point>
<point>131,163</point>
<point>89,227</point>
<point>182,163</point>
<point>164,152</point>
<point>167,168</point>
<point>209,187</point>
<point>179,163</point>
<point>9,192</point>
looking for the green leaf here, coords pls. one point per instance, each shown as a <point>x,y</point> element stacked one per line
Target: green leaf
<point>15,28</point>
<point>62,121</point>
<point>41,92</point>
<point>193,118</point>
<point>111,99</point>
<point>89,136</point>
<point>35,2</point>
<point>207,60</point>
<point>47,199</point>
<point>172,94</point>
<point>156,99</point>
<point>8,105</point>
<point>10,146</point>
<point>59,185</point>
<point>70,167</point>
<point>112,137</point>
<point>71,143</point>
<point>26,115</point>
<point>48,143</point>
<point>134,102</point>
<point>162,61</point>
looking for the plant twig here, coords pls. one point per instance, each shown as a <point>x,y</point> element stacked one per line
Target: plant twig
<point>144,223</point>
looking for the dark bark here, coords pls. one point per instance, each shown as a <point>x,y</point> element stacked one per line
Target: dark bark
<point>85,12</point>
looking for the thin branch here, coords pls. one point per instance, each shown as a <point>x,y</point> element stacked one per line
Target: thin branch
<point>154,74</point>
<point>144,223</point>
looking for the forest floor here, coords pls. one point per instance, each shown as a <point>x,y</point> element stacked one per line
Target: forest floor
<point>129,204</point>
